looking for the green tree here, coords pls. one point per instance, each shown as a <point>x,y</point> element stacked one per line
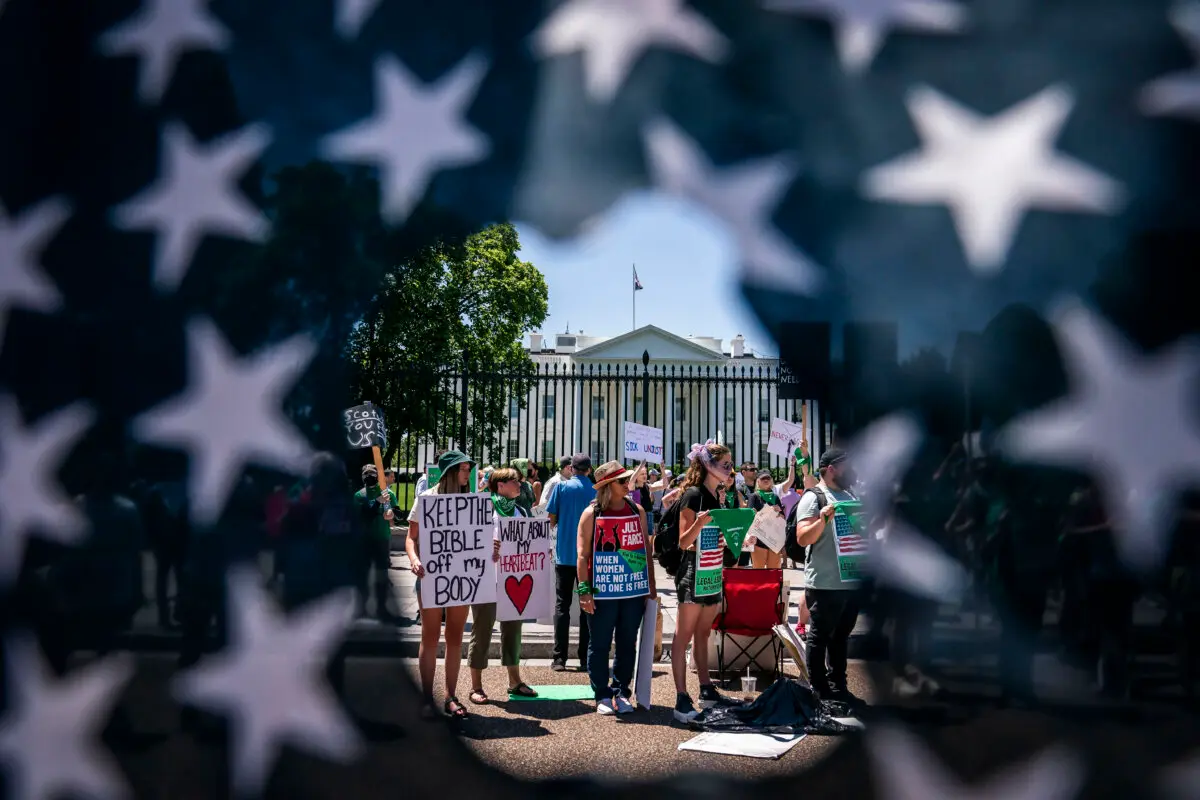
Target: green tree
<point>451,306</point>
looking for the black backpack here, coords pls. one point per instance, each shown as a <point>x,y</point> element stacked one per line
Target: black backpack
<point>666,540</point>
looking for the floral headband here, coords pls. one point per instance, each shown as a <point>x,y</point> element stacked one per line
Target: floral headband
<point>701,451</point>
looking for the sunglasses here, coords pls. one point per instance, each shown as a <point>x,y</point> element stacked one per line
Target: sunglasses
<point>623,481</point>
<point>726,465</point>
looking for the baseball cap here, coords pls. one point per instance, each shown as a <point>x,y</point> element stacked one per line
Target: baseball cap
<point>833,456</point>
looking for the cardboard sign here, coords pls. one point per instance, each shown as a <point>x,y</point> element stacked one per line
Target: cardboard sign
<point>455,541</point>
<point>643,443</point>
<point>734,523</point>
<point>769,529</point>
<point>525,573</point>
<point>850,539</point>
<point>709,561</point>
<point>365,427</point>
<point>784,437</point>
<point>619,567</point>
<point>645,655</point>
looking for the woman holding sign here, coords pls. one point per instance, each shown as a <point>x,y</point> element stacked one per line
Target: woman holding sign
<point>614,557</point>
<point>505,487</point>
<point>710,468</point>
<point>456,479</point>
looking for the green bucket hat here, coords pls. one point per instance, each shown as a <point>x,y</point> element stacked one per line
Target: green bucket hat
<point>451,459</point>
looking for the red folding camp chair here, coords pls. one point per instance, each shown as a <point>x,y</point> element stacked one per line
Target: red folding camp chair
<point>751,606</point>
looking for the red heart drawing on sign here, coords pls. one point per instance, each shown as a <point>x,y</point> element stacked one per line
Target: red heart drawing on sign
<point>518,591</point>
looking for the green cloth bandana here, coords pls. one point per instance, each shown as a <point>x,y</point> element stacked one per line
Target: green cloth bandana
<point>505,506</point>
<point>768,496</point>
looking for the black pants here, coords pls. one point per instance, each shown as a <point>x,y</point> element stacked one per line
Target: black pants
<point>833,613</point>
<point>565,579</point>
<point>167,562</point>
<point>1022,607</point>
<point>377,554</point>
<point>1112,602</point>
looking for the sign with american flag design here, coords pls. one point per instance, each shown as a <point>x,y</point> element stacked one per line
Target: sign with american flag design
<point>851,543</point>
<point>709,561</point>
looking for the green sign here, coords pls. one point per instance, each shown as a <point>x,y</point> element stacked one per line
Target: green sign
<point>435,475</point>
<point>851,541</point>
<point>733,522</point>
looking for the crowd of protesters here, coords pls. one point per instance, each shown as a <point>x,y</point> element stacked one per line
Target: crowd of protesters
<point>1028,537</point>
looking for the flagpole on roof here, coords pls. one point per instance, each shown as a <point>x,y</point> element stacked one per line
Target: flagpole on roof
<point>634,293</point>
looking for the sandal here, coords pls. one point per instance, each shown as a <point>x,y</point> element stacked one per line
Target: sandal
<point>454,709</point>
<point>522,689</point>
<point>478,697</point>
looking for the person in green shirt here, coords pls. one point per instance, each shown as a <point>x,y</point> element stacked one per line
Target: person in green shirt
<point>377,511</point>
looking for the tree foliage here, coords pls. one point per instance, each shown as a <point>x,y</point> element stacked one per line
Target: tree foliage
<point>452,306</point>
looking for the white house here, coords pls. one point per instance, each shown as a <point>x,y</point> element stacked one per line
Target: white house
<point>696,389</point>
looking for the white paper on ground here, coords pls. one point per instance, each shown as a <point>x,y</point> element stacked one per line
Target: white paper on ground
<point>645,655</point>
<point>751,745</point>
<point>852,722</point>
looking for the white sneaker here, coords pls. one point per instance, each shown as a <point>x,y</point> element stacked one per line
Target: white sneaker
<point>623,705</point>
<point>605,707</point>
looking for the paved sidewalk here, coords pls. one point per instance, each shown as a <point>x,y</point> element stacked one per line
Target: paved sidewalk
<point>371,636</point>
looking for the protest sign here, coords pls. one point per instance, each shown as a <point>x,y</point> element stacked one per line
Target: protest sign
<point>784,437</point>
<point>851,540</point>
<point>364,426</point>
<point>769,529</point>
<point>734,523</point>
<point>645,655</point>
<point>525,573</point>
<point>709,561</point>
<point>455,533</point>
<point>619,566</point>
<point>643,443</point>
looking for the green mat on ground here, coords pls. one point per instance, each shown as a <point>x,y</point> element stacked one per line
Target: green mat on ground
<point>568,691</point>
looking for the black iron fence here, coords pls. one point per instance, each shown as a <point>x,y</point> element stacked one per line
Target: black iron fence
<point>553,410</point>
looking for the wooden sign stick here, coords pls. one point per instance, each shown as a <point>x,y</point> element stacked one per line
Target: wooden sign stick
<point>378,461</point>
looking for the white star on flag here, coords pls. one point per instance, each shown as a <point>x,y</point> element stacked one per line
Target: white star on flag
<point>160,33</point>
<point>196,194</point>
<point>613,35</point>
<point>906,560</point>
<point>230,414</point>
<point>860,26</point>
<point>269,680</point>
<point>31,498</point>
<point>416,131</point>
<point>1178,94</point>
<point>903,769</point>
<point>989,171</point>
<point>351,15</point>
<point>22,238</point>
<point>49,735</point>
<point>1129,421</point>
<point>742,196</point>
<point>1181,781</point>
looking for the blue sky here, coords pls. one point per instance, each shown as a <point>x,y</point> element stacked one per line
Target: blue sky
<point>684,258</point>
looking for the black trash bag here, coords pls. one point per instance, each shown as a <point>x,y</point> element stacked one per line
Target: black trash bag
<point>788,706</point>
